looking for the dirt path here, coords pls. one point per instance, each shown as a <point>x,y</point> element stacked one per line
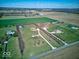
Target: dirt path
<point>20,39</point>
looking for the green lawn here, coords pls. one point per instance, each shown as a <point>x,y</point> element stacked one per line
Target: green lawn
<point>34,46</point>
<point>15,21</point>
<point>69,35</point>
<point>13,47</point>
<point>31,49</point>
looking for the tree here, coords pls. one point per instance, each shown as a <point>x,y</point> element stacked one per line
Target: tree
<point>1,14</point>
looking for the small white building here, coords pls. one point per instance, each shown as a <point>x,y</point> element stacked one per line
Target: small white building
<point>41,14</point>
<point>74,27</point>
<point>56,31</point>
<point>20,26</point>
<point>10,32</point>
<point>5,42</point>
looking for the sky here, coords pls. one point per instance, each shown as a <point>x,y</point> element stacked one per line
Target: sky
<point>40,3</point>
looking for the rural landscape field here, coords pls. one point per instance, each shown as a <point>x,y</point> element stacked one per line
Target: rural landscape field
<point>39,29</point>
<point>30,37</point>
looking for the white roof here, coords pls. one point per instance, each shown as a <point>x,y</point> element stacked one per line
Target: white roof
<point>10,32</point>
<point>20,26</point>
<point>6,42</point>
<point>75,28</point>
<point>56,31</point>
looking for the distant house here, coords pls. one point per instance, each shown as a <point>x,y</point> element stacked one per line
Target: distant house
<point>56,31</point>
<point>20,26</point>
<point>74,27</point>
<point>9,32</point>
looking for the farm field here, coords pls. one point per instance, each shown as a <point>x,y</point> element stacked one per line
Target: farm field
<point>34,36</point>
<point>62,16</point>
<point>69,33</point>
<point>33,45</point>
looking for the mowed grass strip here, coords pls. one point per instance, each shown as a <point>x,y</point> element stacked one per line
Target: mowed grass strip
<point>24,20</point>
<point>13,48</point>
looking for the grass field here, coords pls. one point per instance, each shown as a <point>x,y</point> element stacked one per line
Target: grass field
<point>69,35</point>
<point>62,16</point>
<point>25,20</point>
<point>52,41</point>
<point>12,43</point>
<point>13,48</point>
<point>35,45</point>
<point>71,52</point>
